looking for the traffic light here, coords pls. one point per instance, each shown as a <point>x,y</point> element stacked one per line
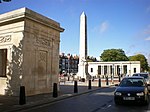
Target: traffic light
<point>6,0</point>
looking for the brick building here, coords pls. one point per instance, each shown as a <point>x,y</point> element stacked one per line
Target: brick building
<point>68,63</point>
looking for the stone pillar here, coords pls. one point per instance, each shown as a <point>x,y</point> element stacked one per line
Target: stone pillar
<point>102,70</point>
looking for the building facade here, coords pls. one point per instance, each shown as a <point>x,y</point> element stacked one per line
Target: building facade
<point>29,52</point>
<point>68,63</point>
<point>113,69</point>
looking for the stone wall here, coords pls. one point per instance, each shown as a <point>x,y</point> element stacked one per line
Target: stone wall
<point>33,51</point>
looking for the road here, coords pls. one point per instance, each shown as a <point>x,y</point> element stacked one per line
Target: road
<point>97,101</point>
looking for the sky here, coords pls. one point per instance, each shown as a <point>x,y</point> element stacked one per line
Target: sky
<point>111,24</point>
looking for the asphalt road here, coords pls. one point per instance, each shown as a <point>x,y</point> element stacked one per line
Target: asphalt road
<point>97,101</point>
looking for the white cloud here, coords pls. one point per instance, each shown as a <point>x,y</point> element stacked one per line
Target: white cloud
<point>148,9</point>
<point>148,38</point>
<point>101,28</point>
<point>147,30</point>
<point>129,50</point>
<point>104,26</point>
<point>146,33</point>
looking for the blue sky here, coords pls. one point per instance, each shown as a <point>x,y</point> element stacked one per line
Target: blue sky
<point>119,24</point>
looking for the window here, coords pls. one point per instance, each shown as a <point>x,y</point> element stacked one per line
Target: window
<point>134,70</point>
<point>111,69</point>
<point>125,69</point>
<point>91,69</point>
<point>118,69</point>
<point>99,70</point>
<point>3,62</point>
<point>105,70</point>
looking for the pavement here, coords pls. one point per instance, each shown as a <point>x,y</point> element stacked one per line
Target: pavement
<point>66,90</point>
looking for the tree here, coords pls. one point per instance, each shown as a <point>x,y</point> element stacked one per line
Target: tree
<point>149,69</point>
<point>113,55</point>
<point>142,59</point>
<point>91,59</point>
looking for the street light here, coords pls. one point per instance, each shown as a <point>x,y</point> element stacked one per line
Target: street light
<point>130,68</point>
<point>113,74</point>
<point>68,65</point>
<point>4,1</point>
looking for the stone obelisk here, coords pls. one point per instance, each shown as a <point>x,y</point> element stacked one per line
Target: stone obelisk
<point>82,66</point>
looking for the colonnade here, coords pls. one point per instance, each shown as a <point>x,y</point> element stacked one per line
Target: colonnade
<point>113,69</point>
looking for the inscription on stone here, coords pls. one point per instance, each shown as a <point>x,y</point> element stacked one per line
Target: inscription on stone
<point>6,38</point>
<point>43,41</point>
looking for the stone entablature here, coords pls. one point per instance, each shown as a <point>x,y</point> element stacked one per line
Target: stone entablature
<point>32,43</point>
<point>25,13</point>
<point>5,38</point>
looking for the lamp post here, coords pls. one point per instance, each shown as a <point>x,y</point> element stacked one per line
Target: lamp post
<point>113,75</point>
<point>130,69</point>
<point>68,65</point>
<point>4,1</point>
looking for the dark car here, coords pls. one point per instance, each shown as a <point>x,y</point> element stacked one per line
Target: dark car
<point>132,90</point>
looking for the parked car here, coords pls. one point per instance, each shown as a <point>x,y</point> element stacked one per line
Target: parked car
<point>132,90</point>
<point>146,77</point>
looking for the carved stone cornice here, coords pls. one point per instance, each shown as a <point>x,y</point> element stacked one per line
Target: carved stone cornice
<point>6,38</point>
<point>24,13</point>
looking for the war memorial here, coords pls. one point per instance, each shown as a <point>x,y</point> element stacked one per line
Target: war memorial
<point>87,69</point>
<point>29,54</point>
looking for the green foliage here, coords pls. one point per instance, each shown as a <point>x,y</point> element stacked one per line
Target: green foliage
<point>113,55</point>
<point>142,59</point>
<point>149,69</point>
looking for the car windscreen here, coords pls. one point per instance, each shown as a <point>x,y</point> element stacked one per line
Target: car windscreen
<point>135,82</point>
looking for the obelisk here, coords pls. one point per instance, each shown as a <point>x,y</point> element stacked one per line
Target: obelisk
<point>82,66</point>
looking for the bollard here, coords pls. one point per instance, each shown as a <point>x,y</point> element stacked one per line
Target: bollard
<point>83,79</point>
<point>107,81</point>
<point>55,92</point>
<point>22,96</point>
<point>89,84</point>
<point>75,87</point>
<point>99,84</point>
<point>119,78</point>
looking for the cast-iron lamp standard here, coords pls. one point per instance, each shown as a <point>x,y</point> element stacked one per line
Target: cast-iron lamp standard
<point>4,1</point>
<point>68,65</point>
